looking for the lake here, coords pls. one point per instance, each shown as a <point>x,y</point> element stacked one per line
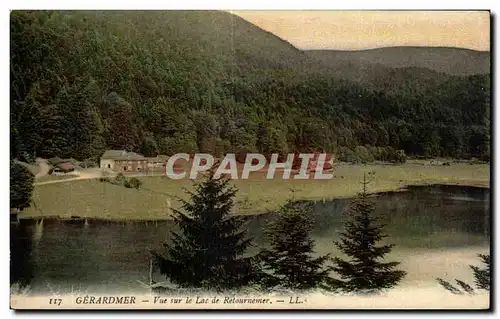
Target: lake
<point>438,230</point>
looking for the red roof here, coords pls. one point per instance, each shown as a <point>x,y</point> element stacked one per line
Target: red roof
<point>67,166</point>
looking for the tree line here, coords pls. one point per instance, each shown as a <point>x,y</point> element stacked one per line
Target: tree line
<point>82,82</point>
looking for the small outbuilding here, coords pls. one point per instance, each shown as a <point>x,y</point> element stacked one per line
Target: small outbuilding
<point>64,167</point>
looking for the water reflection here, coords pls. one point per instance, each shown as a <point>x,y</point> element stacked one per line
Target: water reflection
<point>103,256</point>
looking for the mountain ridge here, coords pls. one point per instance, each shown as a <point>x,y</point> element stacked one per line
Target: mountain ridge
<point>399,46</point>
<point>448,60</point>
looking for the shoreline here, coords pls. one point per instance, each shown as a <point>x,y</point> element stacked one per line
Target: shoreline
<point>380,191</point>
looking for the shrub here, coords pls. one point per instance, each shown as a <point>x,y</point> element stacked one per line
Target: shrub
<point>368,154</point>
<point>119,179</point>
<point>134,182</point>
<point>88,163</point>
<point>127,184</point>
<point>352,157</point>
<point>342,153</point>
<point>390,154</point>
<point>374,152</point>
<point>400,157</point>
<point>363,154</point>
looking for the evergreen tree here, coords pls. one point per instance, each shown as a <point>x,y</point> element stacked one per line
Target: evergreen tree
<point>290,263</point>
<point>481,278</point>
<point>365,271</point>
<point>482,275</point>
<point>21,186</point>
<point>448,286</point>
<point>466,287</point>
<point>208,250</point>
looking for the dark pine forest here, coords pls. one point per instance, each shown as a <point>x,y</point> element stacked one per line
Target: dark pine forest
<point>190,81</point>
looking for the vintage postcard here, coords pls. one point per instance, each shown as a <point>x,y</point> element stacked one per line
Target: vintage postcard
<point>250,160</point>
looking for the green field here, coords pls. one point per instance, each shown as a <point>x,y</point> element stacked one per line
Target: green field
<point>158,195</point>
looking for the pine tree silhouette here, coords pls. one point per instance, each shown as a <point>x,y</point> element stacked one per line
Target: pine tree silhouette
<point>365,271</point>
<point>466,287</point>
<point>207,252</point>
<point>289,263</point>
<point>482,276</point>
<point>446,285</point>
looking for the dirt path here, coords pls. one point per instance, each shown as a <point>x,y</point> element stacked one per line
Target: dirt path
<point>60,180</point>
<point>87,174</point>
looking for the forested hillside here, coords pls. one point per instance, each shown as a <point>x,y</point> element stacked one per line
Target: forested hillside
<point>187,81</point>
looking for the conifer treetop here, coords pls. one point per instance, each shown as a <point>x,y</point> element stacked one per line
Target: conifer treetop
<point>207,251</point>
<point>365,269</point>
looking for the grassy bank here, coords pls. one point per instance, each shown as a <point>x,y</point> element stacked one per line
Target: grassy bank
<point>158,195</point>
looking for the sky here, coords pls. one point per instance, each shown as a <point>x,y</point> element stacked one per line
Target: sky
<point>356,30</point>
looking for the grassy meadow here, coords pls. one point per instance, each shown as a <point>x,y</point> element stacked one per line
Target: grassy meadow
<point>158,195</point>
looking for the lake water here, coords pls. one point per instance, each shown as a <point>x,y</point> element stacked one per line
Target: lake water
<point>438,230</point>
